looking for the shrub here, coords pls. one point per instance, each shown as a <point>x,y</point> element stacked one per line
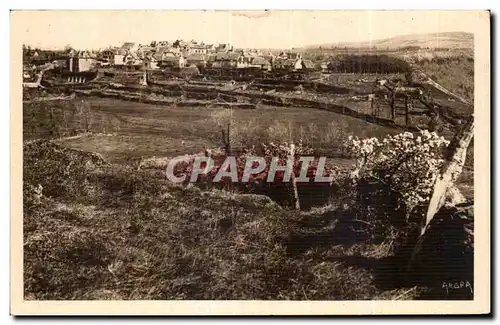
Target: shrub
<point>224,121</point>
<point>393,176</point>
<point>61,172</point>
<point>246,134</point>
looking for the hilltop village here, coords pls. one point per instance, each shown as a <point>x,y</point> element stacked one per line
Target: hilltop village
<point>169,55</point>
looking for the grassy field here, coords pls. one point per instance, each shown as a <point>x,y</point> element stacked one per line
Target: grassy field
<point>151,130</point>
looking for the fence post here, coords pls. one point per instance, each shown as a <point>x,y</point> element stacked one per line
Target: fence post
<point>392,104</point>
<point>293,180</point>
<point>452,168</point>
<point>144,79</point>
<point>371,106</point>
<point>408,106</point>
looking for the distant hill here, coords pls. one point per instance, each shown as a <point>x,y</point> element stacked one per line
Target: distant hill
<point>450,40</point>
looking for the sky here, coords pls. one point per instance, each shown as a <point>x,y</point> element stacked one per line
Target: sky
<point>243,29</point>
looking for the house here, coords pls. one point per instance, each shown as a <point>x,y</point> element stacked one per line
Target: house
<point>197,48</point>
<point>290,55</point>
<point>145,51</point>
<point>157,56</point>
<point>307,65</point>
<point>150,61</point>
<point>282,55</point>
<point>41,57</point>
<point>119,56</point>
<point>243,60</point>
<point>106,55</point>
<point>132,59</point>
<point>221,48</point>
<point>80,62</point>
<point>286,64</point>
<point>294,56</point>
<point>289,61</point>
<point>29,73</point>
<point>260,63</point>
<point>278,63</point>
<point>226,60</point>
<point>119,59</point>
<point>255,52</point>
<point>292,64</point>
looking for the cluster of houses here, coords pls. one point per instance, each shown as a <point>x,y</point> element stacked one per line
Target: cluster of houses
<point>178,54</point>
<point>72,61</point>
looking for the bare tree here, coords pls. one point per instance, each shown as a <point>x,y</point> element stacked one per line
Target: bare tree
<point>145,66</point>
<point>84,115</point>
<point>224,120</point>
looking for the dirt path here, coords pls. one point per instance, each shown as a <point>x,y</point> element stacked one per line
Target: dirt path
<point>441,88</point>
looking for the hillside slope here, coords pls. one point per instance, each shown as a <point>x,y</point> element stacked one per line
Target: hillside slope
<point>452,40</point>
<point>110,232</point>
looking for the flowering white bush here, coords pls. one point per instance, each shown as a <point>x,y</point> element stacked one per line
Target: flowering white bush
<point>406,163</point>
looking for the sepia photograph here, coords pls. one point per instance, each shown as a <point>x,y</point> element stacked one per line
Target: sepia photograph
<point>190,161</point>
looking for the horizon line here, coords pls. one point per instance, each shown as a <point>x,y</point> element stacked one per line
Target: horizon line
<point>304,46</point>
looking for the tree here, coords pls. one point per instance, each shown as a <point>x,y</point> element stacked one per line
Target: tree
<point>224,121</point>
<point>145,65</point>
<point>68,48</point>
<point>83,114</point>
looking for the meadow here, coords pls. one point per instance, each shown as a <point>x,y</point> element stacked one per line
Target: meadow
<point>151,130</point>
